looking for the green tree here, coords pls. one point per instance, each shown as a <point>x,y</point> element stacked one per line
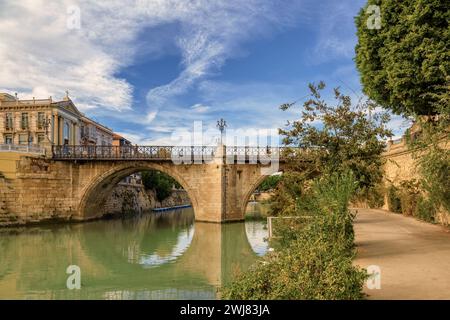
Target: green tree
<point>404,64</point>
<point>337,138</point>
<point>160,182</point>
<point>269,183</point>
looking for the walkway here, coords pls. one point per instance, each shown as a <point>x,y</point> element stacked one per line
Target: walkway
<point>414,256</point>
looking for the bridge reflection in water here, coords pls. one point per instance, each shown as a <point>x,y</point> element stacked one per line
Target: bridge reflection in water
<point>154,256</point>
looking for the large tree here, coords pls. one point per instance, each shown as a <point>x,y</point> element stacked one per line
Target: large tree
<point>404,61</point>
<point>335,138</point>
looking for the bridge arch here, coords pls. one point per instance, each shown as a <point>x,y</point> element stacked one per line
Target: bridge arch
<point>251,189</point>
<point>94,196</point>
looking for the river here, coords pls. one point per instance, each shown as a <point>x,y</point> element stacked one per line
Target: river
<point>152,256</point>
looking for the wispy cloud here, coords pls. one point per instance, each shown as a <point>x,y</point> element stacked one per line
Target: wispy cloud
<point>41,56</point>
<point>200,108</point>
<point>211,33</point>
<point>336,31</point>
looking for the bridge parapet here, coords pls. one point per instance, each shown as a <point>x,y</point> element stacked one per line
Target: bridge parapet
<point>178,154</point>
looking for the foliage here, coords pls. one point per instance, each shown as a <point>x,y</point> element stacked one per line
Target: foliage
<point>435,169</point>
<point>409,199</point>
<point>289,188</point>
<point>425,210</point>
<point>374,196</point>
<point>429,142</point>
<point>269,183</point>
<point>404,65</point>
<point>315,260</point>
<point>409,193</point>
<point>393,198</point>
<point>337,138</point>
<point>160,182</point>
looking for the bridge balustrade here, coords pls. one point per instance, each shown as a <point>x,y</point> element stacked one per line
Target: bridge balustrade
<point>166,153</point>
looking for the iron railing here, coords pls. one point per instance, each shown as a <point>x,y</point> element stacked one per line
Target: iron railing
<point>177,153</point>
<point>254,154</point>
<point>67,152</point>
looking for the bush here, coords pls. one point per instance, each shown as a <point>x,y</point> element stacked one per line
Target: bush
<point>269,183</point>
<point>435,170</point>
<point>160,182</point>
<point>409,193</point>
<point>315,258</point>
<point>373,197</point>
<point>311,268</point>
<point>425,210</point>
<point>394,203</point>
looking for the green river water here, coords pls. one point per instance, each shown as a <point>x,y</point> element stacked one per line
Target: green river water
<point>152,256</point>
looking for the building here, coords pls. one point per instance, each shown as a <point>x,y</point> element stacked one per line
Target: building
<point>119,141</point>
<point>93,133</point>
<point>44,121</point>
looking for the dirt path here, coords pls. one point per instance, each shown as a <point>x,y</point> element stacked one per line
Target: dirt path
<point>413,256</point>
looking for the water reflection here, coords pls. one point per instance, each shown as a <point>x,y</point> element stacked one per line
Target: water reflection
<point>184,239</point>
<point>154,256</point>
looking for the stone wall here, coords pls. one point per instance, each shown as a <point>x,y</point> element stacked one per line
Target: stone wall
<point>133,198</point>
<point>127,199</point>
<point>176,198</point>
<point>34,189</point>
<point>401,166</point>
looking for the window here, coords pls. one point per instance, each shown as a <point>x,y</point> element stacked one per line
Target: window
<point>40,138</point>
<point>24,122</point>
<point>23,139</point>
<point>41,120</point>
<point>8,139</point>
<point>9,121</point>
<point>66,133</point>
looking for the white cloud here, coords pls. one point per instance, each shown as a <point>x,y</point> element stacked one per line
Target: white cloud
<point>211,34</point>
<point>200,108</point>
<point>41,56</point>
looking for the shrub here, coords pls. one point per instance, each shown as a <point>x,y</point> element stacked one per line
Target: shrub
<point>394,203</point>
<point>160,182</point>
<point>269,183</point>
<point>373,197</point>
<point>409,193</point>
<point>310,268</point>
<point>315,256</point>
<point>425,210</point>
<point>435,170</point>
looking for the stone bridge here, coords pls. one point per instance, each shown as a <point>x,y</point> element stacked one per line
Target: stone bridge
<point>76,182</point>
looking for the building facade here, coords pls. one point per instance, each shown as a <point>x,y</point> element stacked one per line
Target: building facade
<point>44,121</point>
<point>119,141</point>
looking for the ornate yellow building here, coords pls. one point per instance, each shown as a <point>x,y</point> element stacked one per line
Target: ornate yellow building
<point>44,121</point>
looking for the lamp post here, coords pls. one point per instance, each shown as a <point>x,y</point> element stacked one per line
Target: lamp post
<point>221,125</point>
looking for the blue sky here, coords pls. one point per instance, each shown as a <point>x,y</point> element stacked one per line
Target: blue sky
<point>154,67</point>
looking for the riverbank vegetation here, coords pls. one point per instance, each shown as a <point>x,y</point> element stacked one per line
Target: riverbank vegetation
<point>403,61</point>
<point>269,183</point>
<point>314,255</point>
<point>340,162</point>
<point>160,182</point>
